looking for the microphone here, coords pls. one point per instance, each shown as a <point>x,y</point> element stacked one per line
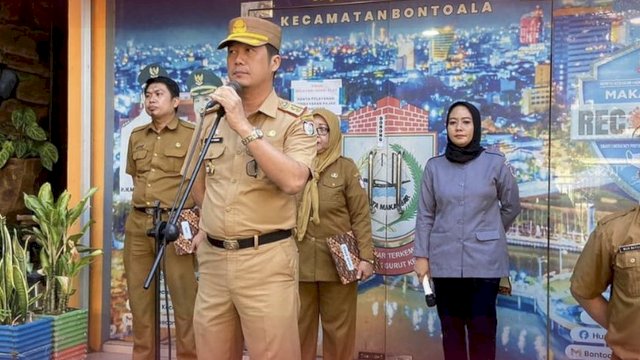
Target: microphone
<point>429,296</point>
<point>213,105</point>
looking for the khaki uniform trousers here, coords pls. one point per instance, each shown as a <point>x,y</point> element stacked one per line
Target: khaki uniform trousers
<point>250,293</point>
<point>336,305</point>
<point>179,274</point>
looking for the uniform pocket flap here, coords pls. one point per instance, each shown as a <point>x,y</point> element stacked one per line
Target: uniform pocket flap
<point>139,154</point>
<point>628,260</point>
<point>488,235</point>
<point>176,152</point>
<point>333,182</point>
<point>215,151</point>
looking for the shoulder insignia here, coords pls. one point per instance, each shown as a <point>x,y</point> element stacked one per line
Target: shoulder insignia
<point>309,127</point>
<point>291,108</point>
<point>616,215</point>
<point>361,181</point>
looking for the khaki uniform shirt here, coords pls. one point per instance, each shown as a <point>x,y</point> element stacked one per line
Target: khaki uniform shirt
<point>154,160</point>
<point>343,206</point>
<point>612,256</point>
<point>240,201</point>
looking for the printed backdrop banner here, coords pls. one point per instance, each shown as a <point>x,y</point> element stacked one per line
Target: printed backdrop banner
<point>559,77</point>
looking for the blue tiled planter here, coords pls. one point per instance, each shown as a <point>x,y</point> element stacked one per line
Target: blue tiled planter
<point>26,341</point>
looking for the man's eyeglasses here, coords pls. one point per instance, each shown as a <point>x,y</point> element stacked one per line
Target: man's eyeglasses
<point>322,130</point>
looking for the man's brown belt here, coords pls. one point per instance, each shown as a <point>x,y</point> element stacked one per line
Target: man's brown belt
<point>150,210</point>
<point>248,242</point>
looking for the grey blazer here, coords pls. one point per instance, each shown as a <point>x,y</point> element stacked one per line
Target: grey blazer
<point>464,210</point>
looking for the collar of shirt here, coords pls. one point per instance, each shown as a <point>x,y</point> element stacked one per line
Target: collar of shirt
<point>270,105</point>
<point>172,125</point>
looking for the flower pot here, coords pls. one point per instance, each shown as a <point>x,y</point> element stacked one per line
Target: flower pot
<point>26,341</point>
<point>69,339</point>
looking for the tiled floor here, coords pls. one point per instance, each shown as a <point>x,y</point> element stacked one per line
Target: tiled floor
<point>113,350</point>
<point>116,350</point>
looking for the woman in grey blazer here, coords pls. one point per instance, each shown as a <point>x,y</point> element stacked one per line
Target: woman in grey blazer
<point>468,200</point>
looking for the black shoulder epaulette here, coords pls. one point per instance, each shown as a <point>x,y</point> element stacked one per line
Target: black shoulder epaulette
<point>291,108</point>
<point>616,215</point>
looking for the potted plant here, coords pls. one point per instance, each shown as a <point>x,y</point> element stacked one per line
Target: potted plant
<point>19,336</point>
<point>24,150</point>
<point>62,257</point>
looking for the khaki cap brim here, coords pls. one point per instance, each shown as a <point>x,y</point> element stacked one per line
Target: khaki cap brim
<point>245,38</point>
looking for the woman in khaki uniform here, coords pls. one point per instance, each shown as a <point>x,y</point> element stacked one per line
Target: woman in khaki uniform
<point>333,203</point>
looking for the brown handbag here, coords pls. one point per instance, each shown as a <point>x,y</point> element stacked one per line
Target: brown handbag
<point>188,226</point>
<point>345,254</point>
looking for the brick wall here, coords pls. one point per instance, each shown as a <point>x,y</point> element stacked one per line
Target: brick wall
<point>398,118</point>
<point>25,52</point>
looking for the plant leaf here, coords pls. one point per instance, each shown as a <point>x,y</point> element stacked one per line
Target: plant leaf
<point>6,152</point>
<point>17,119</point>
<point>21,149</point>
<point>35,132</point>
<point>29,116</point>
<point>48,155</point>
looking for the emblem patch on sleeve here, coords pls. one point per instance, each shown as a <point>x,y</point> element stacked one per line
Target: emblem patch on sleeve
<point>361,181</point>
<point>309,128</point>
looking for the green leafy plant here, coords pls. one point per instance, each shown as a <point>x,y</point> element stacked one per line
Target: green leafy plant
<point>16,300</point>
<point>62,256</point>
<point>26,140</point>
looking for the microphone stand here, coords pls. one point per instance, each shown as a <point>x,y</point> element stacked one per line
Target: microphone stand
<point>165,232</point>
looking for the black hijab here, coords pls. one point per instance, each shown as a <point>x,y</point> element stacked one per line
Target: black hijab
<point>464,154</point>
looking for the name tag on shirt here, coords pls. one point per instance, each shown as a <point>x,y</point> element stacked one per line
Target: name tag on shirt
<point>630,247</point>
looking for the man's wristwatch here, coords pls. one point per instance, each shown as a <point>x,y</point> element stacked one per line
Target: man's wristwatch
<point>254,135</point>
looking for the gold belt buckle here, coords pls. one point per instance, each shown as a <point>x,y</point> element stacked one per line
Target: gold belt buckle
<point>231,244</point>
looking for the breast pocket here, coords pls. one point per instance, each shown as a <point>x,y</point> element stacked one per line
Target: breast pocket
<point>330,189</point>
<point>142,160</point>
<point>627,273</point>
<point>212,159</point>
<point>173,159</point>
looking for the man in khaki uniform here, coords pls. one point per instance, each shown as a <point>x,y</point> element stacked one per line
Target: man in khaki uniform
<point>125,182</point>
<point>259,160</point>
<point>612,257</point>
<point>155,156</point>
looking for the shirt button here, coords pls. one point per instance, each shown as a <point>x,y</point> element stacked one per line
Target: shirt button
<point>239,152</point>
<point>148,185</point>
<point>460,221</point>
<point>227,209</point>
<point>461,184</point>
<point>153,169</point>
<point>155,154</point>
<point>461,202</point>
<point>632,260</point>
<point>148,202</point>
<point>158,137</point>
